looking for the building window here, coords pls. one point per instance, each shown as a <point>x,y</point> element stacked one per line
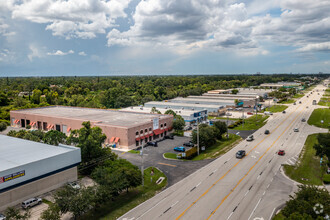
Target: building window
<point>150,138</point>
<point>161,125</point>
<point>58,127</point>
<point>28,122</point>
<point>161,134</point>
<point>137,142</point>
<point>137,133</point>
<point>164,124</point>
<point>146,130</point>
<point>141,132</point>
<point>149,129</point>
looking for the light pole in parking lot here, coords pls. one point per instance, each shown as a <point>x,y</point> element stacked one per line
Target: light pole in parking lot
<point>227,125</point>
<point>197,137</point>
<point>142,167</point>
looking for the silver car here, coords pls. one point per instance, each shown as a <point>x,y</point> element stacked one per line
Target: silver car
<point>31,202</point>
<point>2,217</point>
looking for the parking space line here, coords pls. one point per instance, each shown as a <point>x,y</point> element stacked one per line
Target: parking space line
<point>166,164</point>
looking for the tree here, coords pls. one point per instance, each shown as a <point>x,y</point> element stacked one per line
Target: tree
<point>54,137</point>
<point>52,213</point>
<point>207,135</point>
<point>3,99</point>
<point>170,112</point>
<point>234,91</point>
<point>15,214</point>
<point>3,126</point>
<point>323,146</point>
<point>221,128</point>
<point>178,123</point>
<point>303,202</point>
<point>36,96</point>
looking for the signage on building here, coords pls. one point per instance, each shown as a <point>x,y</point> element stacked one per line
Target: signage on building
<point>12,176</point>
<point>155,123</point>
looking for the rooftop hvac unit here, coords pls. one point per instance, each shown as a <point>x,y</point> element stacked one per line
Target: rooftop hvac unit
<point>192,109</point>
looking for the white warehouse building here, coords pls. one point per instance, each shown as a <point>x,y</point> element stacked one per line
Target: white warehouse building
<point>29,169</point>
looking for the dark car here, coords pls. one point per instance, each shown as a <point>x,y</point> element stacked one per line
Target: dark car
<point>303,120</point>
<point>152,143</point>
<point>267,132</point>
<point>180,149</point>
<point>240,154</point>
<point>188,144</point>
<point>299,102</point>
<point>284,112</point>
<point>171,136</point>
<point>281,152</point>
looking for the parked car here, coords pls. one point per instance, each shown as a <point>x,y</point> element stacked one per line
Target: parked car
<point>152,143</point>
<point>180,149</point>
<point>296,130</point>
<point>250,113</point>
<point>31,202</point>
<point>188,144</point>
<point>294,103</point>
<point>74,185</point>
<point>240,154</point>
<point>303,120</point>
<point>170,136</point>
<point>281,152</point>
<point>249,138</point>
<point>267,132</point>
<point>268,113</point>
<point>228,114</point>
<point>2,217</point>
<point>306,106</point>
<point>284,112</point>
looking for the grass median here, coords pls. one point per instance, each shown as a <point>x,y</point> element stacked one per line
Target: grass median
<point>308,171</point>
<point>219,148</point>
<point>276,108</point>
<point>318,115</point>
<point>288,101</point>
<point>127,201</point>
<point>252,123</point>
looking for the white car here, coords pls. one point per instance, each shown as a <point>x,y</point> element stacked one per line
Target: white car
<point>296,130</point>
<point>74,185</point>
<point>2,217</point>
<point>31,202</point>
<point>249,138</point>
<point>228,114</point>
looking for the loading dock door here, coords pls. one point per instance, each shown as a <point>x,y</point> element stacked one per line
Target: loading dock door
<point>23,123</point>
<point>58,127</point>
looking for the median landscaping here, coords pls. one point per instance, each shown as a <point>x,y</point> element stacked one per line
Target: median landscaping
<point>308,170</point>
<point>320,118</point>
<point>287,101</point>
<point>127,201</point>
<point>276,108</point>
<point>252,123</point>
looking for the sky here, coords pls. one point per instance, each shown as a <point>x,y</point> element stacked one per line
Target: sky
<point>163,37</point>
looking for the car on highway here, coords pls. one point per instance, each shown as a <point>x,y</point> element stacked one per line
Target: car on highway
<point>2,217</point>
<point>188,144</point>
<point>31,202</point>
<point>170,136</point>
<point>152,143</point>
<point>299,102</point>
<point>240,154</point>
<point>296,130</point>
<point>250,138</point>
<point>281,152</point>
<point>180,149</point>
<point>267,132</point>
<point>284,112</point>
<point>303,119</point>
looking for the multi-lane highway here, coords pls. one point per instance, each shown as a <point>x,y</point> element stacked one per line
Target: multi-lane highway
<point>248,188</point>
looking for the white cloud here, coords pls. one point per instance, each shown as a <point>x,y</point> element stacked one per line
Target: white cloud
<point>60,53</point>
<point>82,53</point>
<point>72,18</point>
<point>315,47</point>
<point>34,52</point>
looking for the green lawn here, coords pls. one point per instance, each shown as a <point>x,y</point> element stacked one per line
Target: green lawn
<point>309,167</point>
<point>288,101</point>
<point>309,88</point>
<point>276,108</point>
<point>223,118</point>
<point>318,115</point>
<point>178,133</point>
<point>170,155</point>
<point>297,96</point>
<point>219,148</point>
<point>127,201</point>
<point>134,151</point>
<point>252,123</point>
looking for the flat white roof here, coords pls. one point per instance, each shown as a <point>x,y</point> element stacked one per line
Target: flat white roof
<point>221,98</point>
<point>187,100</point>
<point>168,104</point>
<point>15,152</point>
<point>185,112</point>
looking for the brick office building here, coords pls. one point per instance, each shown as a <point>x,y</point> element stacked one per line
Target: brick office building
<point>123,129</point>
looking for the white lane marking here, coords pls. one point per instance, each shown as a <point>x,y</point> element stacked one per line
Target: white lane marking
<point>270,217</point>
<point>264,193</point>
<point>246,193</point>
<point>198,184</point>
<point>215,171</point>
<point>268,186</point>
<point>174,203</point>
<point>151,208</point>
<point>253,156</point>
<point>272,180</point>
<point>254,209</point>
<point>230,215</point>
<point>258,177</point>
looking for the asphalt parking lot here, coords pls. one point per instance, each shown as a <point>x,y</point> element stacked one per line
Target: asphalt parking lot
<point>175,170</point>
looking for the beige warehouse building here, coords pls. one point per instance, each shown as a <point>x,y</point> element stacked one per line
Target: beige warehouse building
<point>123,129</point>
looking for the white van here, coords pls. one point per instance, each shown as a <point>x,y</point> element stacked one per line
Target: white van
<point>268,113</point>
<point>31,202</point>
<point>250,138</point>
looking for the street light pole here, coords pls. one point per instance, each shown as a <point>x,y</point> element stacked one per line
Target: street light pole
<point>142,168</point>
<point>227,126</point>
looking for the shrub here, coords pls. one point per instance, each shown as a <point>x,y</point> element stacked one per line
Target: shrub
<point>3,126</point>
<point>326,178</point>
<point>28,126</point>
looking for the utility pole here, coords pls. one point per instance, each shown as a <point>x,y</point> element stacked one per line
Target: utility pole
<point>142,168</point>
<point>227,125</point>
<point>197,137</point>
<point>243,117</point>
